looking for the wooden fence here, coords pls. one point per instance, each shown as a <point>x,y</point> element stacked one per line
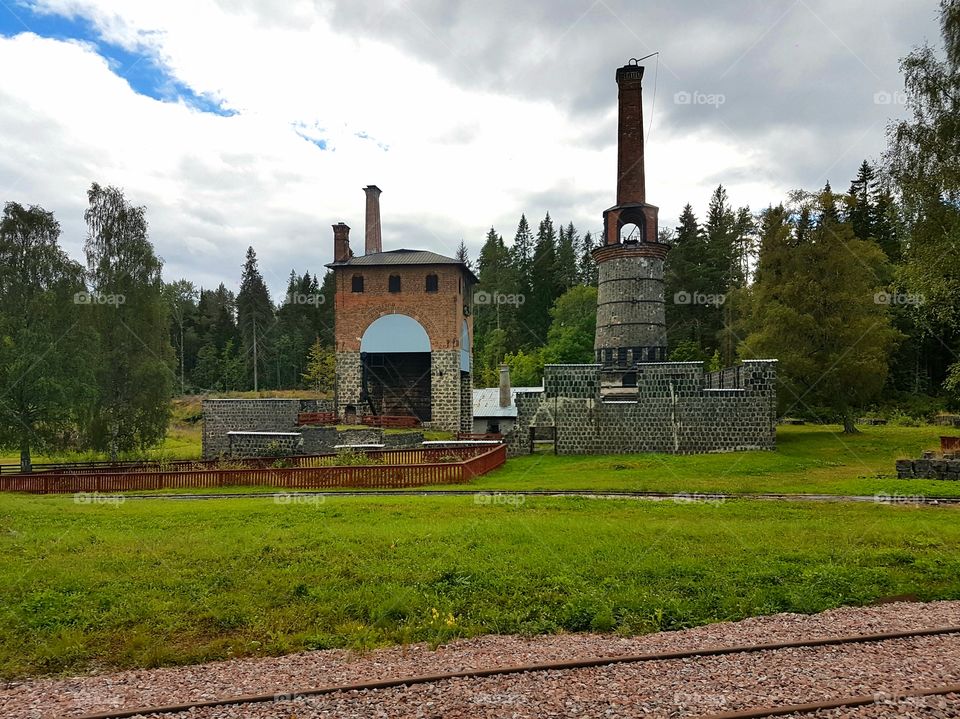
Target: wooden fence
<point>390,456</point>
<point>418,468</point>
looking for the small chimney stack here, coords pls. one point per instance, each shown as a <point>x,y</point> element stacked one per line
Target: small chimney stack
<point>373,239</point>
<point>505,386</point>
<point>341,243</point>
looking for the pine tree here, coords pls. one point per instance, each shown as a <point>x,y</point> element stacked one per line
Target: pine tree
<point>521,255</point>
<point>545,288</point>
<point>587,268</point>
<point>255,317</point>
<point>463,254</point>
<point>685,279</point>
<point>567,247</point>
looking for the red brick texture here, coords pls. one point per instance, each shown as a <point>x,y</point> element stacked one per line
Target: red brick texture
<point>440,313</point>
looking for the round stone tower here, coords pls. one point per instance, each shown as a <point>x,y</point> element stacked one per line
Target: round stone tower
<point>631,324</point>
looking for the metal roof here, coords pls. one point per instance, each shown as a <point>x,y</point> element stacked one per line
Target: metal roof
<point>402,257</point>
<point>486,402</point>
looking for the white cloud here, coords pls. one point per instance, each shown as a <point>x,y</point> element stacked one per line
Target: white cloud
<point>457,160</point>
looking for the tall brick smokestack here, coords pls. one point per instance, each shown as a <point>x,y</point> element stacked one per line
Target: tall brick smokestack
<point>373,239</point>
<point>631,316</point>
<point>341,243</point>
<point>631,180</point>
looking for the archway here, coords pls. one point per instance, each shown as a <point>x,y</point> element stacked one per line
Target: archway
<point>395,366</point>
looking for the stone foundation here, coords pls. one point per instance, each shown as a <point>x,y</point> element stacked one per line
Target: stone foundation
<point>948,469</point>
<point>264,444</point>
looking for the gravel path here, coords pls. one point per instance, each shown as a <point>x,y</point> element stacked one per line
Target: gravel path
<point>676,688</point>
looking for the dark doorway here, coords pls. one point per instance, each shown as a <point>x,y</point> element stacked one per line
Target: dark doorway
<point>397,383</point>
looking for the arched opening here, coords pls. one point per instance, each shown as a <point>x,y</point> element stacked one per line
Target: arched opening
<point>631,233</point>
<point>395,367</point>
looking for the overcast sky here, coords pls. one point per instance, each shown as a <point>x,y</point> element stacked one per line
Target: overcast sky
<point>237,123</point>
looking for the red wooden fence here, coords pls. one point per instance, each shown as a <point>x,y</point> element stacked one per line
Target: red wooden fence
<point>420,468</point>
<point>390,456</point>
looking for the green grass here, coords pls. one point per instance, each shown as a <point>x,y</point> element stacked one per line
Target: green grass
<point>808,459</point>
<point>155,583</point>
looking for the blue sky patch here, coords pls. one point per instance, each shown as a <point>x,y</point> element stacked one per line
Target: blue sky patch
<point>139,69</point>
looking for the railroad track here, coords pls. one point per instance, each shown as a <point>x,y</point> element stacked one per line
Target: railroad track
<point>584,663</point>
<point>680,497</point>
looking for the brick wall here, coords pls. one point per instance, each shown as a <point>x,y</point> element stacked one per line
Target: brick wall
<point>440,313</point>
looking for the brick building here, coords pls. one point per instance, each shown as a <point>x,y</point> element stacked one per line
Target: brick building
<point>403,330</point>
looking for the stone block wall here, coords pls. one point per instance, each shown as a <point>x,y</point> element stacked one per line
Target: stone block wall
<point>221,416</point>
<point>948,469</point>
<point>445,390</point>
<point>466,401</point>
<point>264,444</point>
<point>349,378</point>
<point>673,411</point>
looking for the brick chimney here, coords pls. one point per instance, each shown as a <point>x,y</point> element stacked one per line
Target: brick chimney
<point>504,385</point>
<point>373,240</point>
<point>341,243</point>
<point>631,180</point>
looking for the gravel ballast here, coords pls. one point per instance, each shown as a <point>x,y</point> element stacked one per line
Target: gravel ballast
<point>673,688</point>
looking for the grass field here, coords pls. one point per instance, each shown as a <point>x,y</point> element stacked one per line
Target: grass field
<point>148,583</point>
<point>808,459</point>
